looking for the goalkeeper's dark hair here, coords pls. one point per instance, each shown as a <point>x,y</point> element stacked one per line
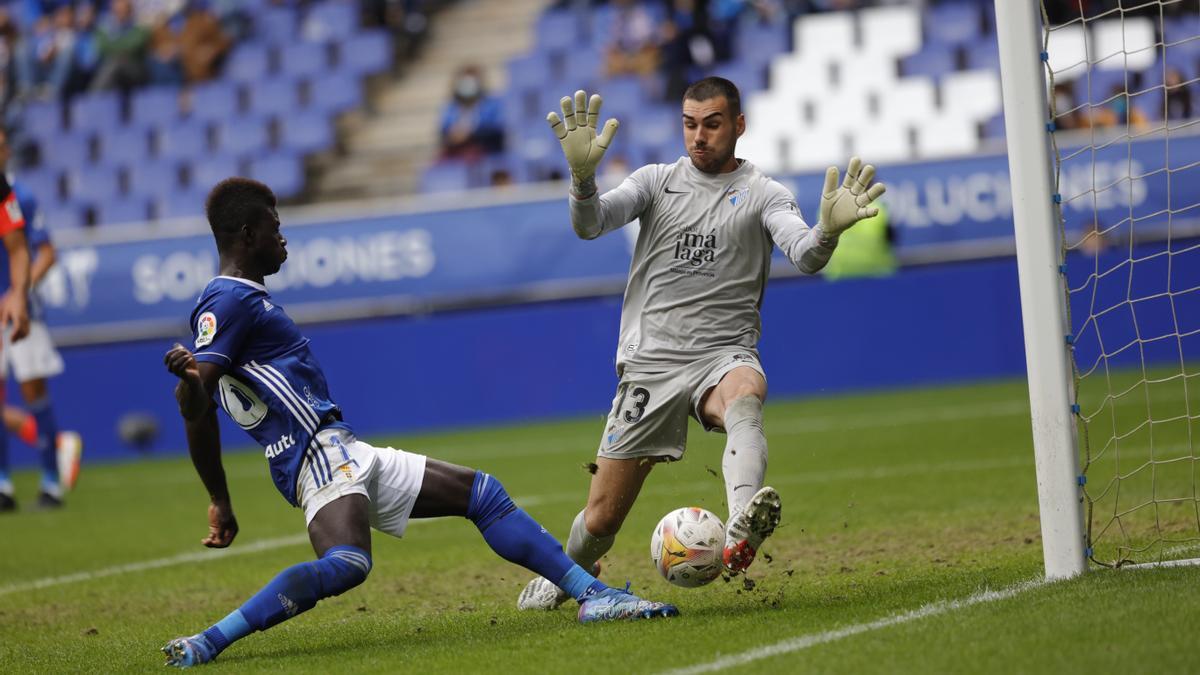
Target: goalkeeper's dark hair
<point>712,87</point>
<point>235,202</point>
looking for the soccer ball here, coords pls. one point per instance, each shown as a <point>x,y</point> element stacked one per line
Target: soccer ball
<point>687,546</point>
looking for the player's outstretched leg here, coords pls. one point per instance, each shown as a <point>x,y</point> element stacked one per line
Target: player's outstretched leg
<point>753,510</point>
<point>294,590</point>
<point>585,549</point>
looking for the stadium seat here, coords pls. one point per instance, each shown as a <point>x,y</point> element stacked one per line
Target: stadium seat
<point>908,100</point>
<point>244,136</point>
<point>67,150</point>
<point>248,63</point>
<point>889,31</point>
<point>528,73</point>
<point>96,111</point>
<point>1068,52</point>
<point>558,30</point>
<point>756,42</point>
<point>934,60</point>
<point>124,145</point>
<point>62,216</point>
<point>1123,43</point>
<point>823,37</point>
<point>275,96</point>
<point>330,22</point>
<point>42,119</point>
<point>183,141</point>
<point>972,94</point>
<point>946,136</point>
<point>983,54</point>
<point>1097,86</point>
<point>335,92</point>
<point>763,148</point>
<point>42,182</point>
<point>156,106</point>
<point>284,172</point>
<point>306,132</point>
<point>446,176</point>
<point>122,210</point>
<point>623,98</point>
<point>276,25</point>
<point>882,143</point>
<point>180,204</point>
<point>303,59</point>
<point>657,126</point>
<point>207,172</point>
<point>812,150</point>
<point>953,23</point>
<point>748,76</point>
<point>994,127</point>
<point>214,101</point>
<point>153,177</point>
<point>794,77</point>
<point>841,110</point>
<point>93,184</point>
<point>369,52</point>
<point>870,71</point>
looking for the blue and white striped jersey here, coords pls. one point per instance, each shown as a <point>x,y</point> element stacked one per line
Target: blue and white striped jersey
<point>273,386</point>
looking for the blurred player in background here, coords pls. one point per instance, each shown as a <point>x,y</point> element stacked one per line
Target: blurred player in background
<point>690,321</point>
<point>14,309</point>
<point>252,357</point>
<point>33,360</point>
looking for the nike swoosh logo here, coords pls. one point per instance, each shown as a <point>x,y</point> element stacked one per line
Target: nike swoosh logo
<point>675,192</point>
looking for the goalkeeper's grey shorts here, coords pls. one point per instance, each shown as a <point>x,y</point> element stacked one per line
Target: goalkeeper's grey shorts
<point>649,413</point>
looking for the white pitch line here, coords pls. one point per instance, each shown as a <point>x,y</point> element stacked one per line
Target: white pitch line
<point>805,641</point>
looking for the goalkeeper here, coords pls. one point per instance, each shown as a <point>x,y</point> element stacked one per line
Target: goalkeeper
<point>690,319</point>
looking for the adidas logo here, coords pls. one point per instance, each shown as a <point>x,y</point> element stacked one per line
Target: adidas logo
<point>267,305</point>
<point>290,607</point>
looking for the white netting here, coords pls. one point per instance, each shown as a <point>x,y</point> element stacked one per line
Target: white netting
<point>1124,79</point>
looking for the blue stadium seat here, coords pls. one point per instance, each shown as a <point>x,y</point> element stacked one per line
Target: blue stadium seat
<point>657,126</point>
<point>331,21</point>
<point>528,73</point>
<point>370,52</point>
<point>558,30</point>
<point>952,23</point>
<point>983,54</point>
<point>153,178</point>
<point>994,127</point>
<point>62,216</point>
<point>215,101</point>
<point>183,141</point>
<point>211,170</point>
<point>124,145</point>
<point>933,60</point>
<point>1097,85</point>
<point>306,132</point>
<point>446,176</point>
<point>276,25</point>
<point>93,184</point>
<point>96,111</point>
<point>302,59</point>
<point>748,76</point>
<point>245,136</point>
<point>42,119</point>
<point>155,106</point>
<point>180,204</point>
<point>122,210</point>
<point>283,172</point>
<point>42,182</point>
<point>756,42</point>
<point>276,96</point>
<point>335,92</point>
<point>67,151</point>
<point>248,63</point>
<point>623,98</point>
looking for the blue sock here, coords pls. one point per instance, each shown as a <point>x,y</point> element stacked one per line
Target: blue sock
<point>5,481</point>
<point>294,590</point>
<point>47,442</point>
<point>519,539</point>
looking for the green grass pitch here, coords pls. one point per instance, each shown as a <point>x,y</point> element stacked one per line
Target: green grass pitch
<point>893,503</point>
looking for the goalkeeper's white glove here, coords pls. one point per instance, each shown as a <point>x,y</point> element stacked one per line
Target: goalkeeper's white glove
<point>576,131</point>
<point>844,206</point>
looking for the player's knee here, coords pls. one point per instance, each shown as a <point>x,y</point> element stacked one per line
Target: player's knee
<point>489,501</point>
<point>744,410</point>
<point>601,520</point>
<point>343,568</point>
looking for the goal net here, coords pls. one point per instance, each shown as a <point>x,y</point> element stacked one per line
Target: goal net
<point>1124,91</point>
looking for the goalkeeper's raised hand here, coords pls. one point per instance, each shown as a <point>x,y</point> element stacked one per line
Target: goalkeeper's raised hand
<point>576,131</point>
<point>844,206</point>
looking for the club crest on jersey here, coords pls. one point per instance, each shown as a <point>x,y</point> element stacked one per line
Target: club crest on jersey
<point>737,195</point>
<point>206,329</point>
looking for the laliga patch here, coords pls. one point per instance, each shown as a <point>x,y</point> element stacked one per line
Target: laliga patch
<point>206,329</point>
<point>737,195</point>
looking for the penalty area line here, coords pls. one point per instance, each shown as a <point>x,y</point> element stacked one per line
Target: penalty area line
<point>812,640</point>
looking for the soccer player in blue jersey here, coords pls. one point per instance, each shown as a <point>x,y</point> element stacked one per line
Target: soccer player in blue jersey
<point>14,307</point>
<point>34,360</point>
<point>252,358</point>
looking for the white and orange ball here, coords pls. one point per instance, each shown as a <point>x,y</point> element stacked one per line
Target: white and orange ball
<point>687,545</point>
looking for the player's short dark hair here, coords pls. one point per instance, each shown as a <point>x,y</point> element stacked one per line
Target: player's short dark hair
<point>712,87</point>
<point>235,202</point>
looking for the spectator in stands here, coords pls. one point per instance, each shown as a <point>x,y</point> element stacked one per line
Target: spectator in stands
<point>1117,111</point>
<point>47,55</point>
<point>87,53</point>
<point>633,48</point>
<point>1179,96</point>
<point>163,62</point>
<point>203,43</point>
<point>8,50</point>
<point>1064,105</point>
<point>121,44</point>
<point>472,122</point>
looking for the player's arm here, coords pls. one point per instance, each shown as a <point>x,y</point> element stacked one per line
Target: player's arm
<point>591,214</point>
<point>14,308</point>
<point>193,392</point>
<point>43,260</point>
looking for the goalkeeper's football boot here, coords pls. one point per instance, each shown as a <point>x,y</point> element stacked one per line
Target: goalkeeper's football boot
<point>541,594</point>
<point>746,530</point>
<point>186,652</point>
<point>616,604</point>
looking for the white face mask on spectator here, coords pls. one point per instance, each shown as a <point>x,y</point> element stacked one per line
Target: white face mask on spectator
<point>467,88</point>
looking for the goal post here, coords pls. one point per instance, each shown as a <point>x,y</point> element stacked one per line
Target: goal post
<point>1043,289</point>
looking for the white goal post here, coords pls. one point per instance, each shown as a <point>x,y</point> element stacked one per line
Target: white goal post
<point>1043,291</point>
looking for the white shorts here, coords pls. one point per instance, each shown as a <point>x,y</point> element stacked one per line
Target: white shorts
<point>390,479</point>
<point>33,358</point>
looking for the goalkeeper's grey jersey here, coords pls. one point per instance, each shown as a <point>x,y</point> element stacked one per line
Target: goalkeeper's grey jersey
<point>702,257</point>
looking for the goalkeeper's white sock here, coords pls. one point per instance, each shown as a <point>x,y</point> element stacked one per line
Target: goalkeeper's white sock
<point>745,460</point>
<point>584,547</point>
